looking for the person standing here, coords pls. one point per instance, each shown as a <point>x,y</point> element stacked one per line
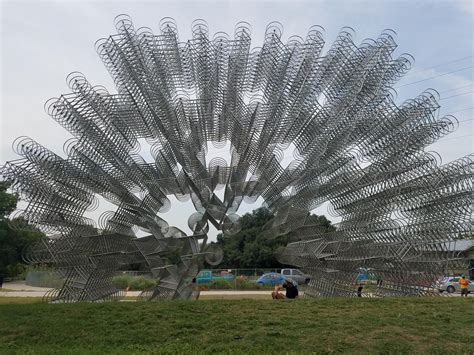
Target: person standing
<point>361,280</point>
<point>464,284</point>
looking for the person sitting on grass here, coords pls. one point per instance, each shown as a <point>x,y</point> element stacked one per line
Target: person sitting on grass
<point>464,283</point>
<point>291,290</point>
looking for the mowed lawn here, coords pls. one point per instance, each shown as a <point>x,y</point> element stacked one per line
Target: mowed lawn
<point>405,325</point>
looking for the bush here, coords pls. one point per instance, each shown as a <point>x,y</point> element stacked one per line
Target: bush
<point>134,283</point>
<point>244,284</point>
<point>240,283</point>
<point>142,283</point>
<point>222,285</point>
<point>17,270</point>
<point>121,281</point>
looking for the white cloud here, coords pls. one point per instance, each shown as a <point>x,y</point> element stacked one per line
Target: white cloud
<point>466,7</point>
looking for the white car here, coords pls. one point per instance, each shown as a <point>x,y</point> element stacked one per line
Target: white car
<point>450,284</point>
<point>296,275</point>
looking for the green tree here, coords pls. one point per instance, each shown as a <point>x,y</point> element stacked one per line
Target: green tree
<point>320,221</point>
<point>15,235</point>
<point>7,201</point>
<point>250,248</point>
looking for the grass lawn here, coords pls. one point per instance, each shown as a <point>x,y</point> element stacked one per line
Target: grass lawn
<point>19,300</point>
<point>406,325</point>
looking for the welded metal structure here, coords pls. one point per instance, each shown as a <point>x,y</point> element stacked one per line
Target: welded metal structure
<point>353,146</point>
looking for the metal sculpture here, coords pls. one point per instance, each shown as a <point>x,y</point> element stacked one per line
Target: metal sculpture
<point>354,147</point>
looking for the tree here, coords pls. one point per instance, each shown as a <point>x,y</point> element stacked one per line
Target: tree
<point>320,221</point>
<point>7,201</point>
<point>15,235</point>
<point>250,248</point>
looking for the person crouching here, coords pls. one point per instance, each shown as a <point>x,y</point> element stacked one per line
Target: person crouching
<point>291,290</point>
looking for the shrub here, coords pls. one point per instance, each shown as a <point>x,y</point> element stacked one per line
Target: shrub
<point>121,281</point>
<point>244,284</point>
<point>133,283</point>
<point>240,283</point>
<point>142,283</point>
<point>222,285</point>
<point>17,270</point>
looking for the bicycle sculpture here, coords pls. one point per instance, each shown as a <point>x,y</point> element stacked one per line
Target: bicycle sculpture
<point>354,147</point>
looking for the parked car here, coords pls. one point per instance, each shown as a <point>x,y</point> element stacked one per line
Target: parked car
<point>450,284</point>
<point>367,276</point>
<point>271,278</point>
<point>296,275</point>
<point>206,276</point>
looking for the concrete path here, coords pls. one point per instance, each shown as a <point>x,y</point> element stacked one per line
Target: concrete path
<point>21,286</point>
<point>20,289</point>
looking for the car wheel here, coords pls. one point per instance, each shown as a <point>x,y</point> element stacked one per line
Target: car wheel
<point>450,289</point>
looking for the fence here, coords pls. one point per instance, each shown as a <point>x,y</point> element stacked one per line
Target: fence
<point>237,279</point>
<point>223,279</point>
<point>41,278</point>
<point>250,274</point>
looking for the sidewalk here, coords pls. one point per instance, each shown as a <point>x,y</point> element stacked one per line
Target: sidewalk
<point>20,289</point>
<point>21,286</point>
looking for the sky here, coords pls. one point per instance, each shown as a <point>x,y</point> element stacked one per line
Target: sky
<point>41,42</point>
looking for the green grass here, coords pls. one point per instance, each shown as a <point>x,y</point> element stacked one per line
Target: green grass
<point>408,325</point>
<point>20,300</point>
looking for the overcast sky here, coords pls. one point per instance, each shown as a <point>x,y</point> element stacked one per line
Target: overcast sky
<point>43,41</point>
